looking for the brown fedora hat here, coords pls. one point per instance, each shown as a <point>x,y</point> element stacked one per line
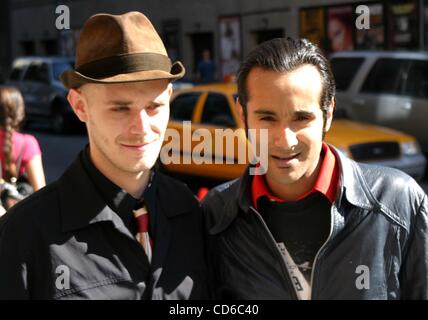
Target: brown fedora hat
<point>120,48</point>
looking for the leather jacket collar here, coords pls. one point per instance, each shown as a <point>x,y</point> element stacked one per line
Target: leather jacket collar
<point>352,188</point>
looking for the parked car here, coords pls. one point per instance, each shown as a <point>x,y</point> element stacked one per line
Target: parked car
<point>385,88</point>
<point>44,95</point>
<point>212,107</point>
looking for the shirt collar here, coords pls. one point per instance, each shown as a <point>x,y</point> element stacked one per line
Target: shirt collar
<point>326,183</point>
<point>115,197</point>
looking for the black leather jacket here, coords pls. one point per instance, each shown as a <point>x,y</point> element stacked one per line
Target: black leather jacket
<point>377,248</point>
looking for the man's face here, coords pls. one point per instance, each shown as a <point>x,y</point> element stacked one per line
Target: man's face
<point>126,123</point>
<point>288,105</point>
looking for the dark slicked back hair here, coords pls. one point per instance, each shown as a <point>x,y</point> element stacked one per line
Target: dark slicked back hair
<point>286,55</point>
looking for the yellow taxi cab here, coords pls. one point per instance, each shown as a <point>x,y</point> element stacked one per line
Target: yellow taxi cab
<point>205,138</point>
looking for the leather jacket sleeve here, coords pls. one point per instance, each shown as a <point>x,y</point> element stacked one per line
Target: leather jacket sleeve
<point>415,265</point>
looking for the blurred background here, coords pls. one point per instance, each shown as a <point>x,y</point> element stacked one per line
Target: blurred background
<point>381,71</point>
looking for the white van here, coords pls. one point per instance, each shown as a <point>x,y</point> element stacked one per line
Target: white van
<point>389,88</point>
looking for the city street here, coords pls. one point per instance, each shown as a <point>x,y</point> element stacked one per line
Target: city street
<point>60,150</point>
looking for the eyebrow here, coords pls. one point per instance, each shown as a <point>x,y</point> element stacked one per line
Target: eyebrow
<point>127,103</point>
<point>299,113</point>
<point>264,112</point>
<point>302,113</point>
<point>119,102</point>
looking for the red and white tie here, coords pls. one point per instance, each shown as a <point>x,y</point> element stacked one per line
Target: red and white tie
<point>142,217</point>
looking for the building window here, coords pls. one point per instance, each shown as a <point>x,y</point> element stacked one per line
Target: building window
<point>50,46</point>
<point>28,48</point>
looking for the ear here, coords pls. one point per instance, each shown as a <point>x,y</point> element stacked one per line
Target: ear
<point>330,114</point>
<point>240,111</point>
<point>78,103</point>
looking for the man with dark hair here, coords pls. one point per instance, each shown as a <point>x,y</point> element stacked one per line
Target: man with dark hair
<point>111,227</point>
<point>316,225</point>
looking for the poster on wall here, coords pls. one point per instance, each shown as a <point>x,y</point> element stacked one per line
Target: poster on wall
<point>403,25</point>
<point>340,27</point>
<point>374,37</point>
<point>312,25</point>
<point>230,46</point>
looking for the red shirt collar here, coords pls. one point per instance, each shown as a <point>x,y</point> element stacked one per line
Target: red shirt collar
<point>326,182</point>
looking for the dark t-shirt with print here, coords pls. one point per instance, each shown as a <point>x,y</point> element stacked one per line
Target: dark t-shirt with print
<point>303,226</point>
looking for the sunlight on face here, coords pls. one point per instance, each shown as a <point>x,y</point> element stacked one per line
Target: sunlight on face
<point>126,124</point>
<point>288,105</point>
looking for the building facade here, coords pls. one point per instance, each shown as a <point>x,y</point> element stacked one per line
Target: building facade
<point>5,40</point>
<point>229,29</point>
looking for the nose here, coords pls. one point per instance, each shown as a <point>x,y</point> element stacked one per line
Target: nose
<point>140,122</point>
<point>286,139</point>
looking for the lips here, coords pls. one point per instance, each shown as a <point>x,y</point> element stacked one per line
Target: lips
<point>139,147</point>
<point>285,161</point>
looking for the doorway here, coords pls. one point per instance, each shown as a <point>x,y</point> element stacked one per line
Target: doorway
<point>200,42</point>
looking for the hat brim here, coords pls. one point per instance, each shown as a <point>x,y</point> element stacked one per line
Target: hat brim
<point>72,79</point>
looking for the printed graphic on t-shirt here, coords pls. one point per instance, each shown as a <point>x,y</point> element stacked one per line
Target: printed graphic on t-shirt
<point>297,273</point>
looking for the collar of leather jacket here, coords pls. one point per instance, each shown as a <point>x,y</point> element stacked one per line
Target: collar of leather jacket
<point>235,194</point>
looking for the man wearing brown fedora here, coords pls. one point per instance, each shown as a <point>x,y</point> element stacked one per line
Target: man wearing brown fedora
<point>111,227</point>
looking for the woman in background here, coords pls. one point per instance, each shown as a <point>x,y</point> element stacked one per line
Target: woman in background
<point>17,149</point>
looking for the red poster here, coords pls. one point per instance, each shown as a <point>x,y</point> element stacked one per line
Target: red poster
<point>340,26</point>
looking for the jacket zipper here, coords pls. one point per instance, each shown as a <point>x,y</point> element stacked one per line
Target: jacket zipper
<point>320,249</point>
<point>290,284</point>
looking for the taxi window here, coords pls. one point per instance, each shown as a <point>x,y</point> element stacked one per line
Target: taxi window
<point>183,105</point>
<point>217,111</point>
